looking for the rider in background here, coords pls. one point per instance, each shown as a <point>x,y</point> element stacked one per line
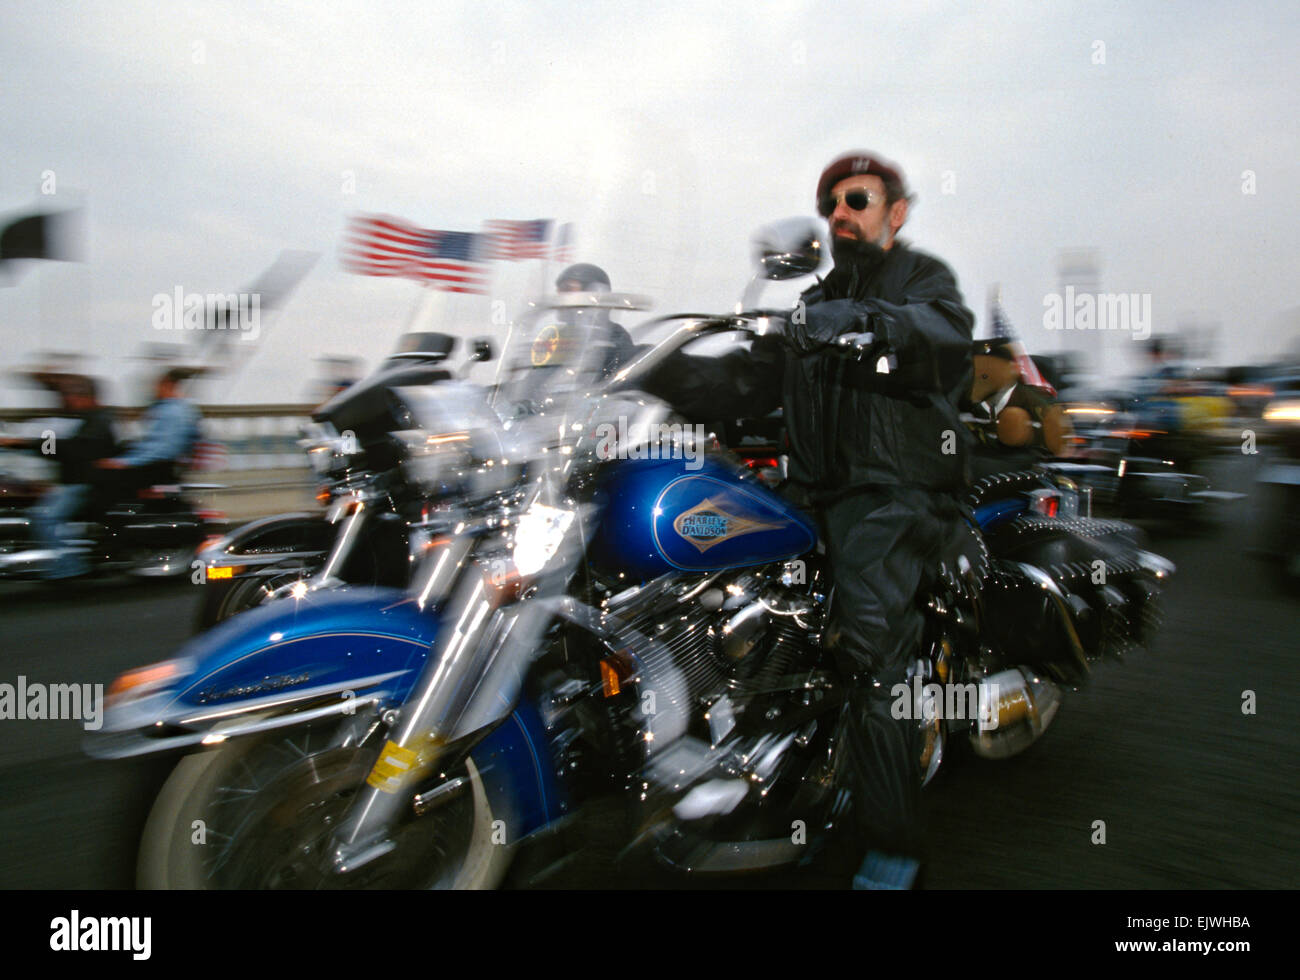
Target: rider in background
<point>1016,424</point>
<point>584,278</point>
<point>76,455</point>
<point>1156,386</point>
<point>171,429</point>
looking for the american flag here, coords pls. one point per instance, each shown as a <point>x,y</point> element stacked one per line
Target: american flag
<point>515,240</point>
<point>1002,328</point>
<point>379,245</point>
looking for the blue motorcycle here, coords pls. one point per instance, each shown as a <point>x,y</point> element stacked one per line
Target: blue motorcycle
<point>599,601</point>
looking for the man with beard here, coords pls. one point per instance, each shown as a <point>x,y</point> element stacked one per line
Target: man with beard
<point>878,451</point>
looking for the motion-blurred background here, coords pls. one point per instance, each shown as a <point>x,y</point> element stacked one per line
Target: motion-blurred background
<point>1117,176</point>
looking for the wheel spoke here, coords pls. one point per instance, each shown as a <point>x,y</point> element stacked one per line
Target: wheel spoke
<point>292,790</point>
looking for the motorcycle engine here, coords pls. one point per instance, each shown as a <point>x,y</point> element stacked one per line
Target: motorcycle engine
<point>737,634</point>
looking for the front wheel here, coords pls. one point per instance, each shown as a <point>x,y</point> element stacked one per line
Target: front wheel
<point>260,812</point>
<point>221,600</point>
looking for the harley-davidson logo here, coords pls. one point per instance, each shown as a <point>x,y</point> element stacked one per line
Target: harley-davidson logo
<point>704,525</point>
<point>707,524</point>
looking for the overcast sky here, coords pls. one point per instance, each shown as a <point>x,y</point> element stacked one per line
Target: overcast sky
<point>203,139</point>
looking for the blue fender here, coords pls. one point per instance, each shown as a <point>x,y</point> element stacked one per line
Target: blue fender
<point>366,640</point>
<point>326,639</point>
<point>519,773</point>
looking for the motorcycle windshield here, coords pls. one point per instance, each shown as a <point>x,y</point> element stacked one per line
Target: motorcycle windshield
<point>556,356</point>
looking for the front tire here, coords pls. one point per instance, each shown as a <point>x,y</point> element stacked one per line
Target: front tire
<point>258,812</point>
<point>221,600</point>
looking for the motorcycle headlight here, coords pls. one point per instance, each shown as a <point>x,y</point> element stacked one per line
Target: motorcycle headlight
<point>431,459</point>
<point>1090,411</point>
<point>330,456</point>
<point>538,536</point>
<point>320,458</point>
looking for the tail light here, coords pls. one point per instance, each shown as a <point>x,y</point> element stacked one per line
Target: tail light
<point>766,468</point>
<point>1045,502</point>
<point>1062,502</point>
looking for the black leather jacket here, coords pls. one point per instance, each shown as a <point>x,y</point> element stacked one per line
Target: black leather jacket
<point>850,427</point>
<point>93,440</point>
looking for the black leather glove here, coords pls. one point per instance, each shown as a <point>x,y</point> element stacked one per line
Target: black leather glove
<point>815,327</point>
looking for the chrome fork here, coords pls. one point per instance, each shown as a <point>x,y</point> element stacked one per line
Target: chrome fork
<point>422,727</point>
<point>485,642</point>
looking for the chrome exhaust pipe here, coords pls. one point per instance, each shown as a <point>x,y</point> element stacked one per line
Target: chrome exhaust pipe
<point>1016,706</point>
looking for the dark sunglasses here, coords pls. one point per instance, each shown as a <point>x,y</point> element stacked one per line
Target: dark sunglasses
<point>858,199</point>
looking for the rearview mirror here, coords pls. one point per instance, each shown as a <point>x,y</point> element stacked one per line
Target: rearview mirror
<point>788,248</point>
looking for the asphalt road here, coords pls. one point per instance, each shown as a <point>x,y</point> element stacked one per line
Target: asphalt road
<point>1193,792</point>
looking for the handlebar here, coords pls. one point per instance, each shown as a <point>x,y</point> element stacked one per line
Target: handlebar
<point>746,321</point>
<point>696,325</point>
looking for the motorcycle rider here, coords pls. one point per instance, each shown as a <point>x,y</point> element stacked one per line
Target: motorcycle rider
<point>584,277</point>
<point>1015,424</point>
<point>76,455</point>
<point>171,428</point>
<point>879,452</point>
